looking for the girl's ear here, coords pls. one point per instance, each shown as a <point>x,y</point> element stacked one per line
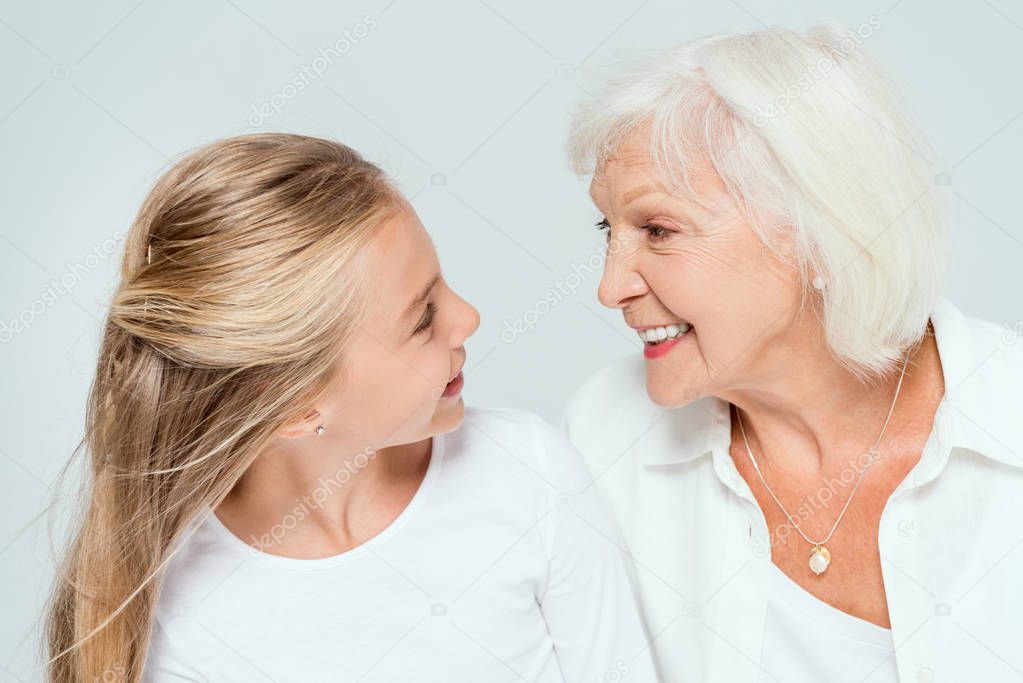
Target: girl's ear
<point>307,425</point>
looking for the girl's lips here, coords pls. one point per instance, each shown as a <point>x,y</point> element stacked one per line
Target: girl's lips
<point>454,386</point>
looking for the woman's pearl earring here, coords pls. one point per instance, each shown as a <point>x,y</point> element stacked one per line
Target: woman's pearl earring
<point>818,282</point>
<point>320,430</point>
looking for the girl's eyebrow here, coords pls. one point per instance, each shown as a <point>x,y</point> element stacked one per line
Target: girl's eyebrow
<point>418,301</point>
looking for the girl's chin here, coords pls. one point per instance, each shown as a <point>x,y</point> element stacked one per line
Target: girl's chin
<point>449,415</point>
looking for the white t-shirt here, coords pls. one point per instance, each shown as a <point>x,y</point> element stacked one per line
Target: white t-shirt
<point>495,571</point>
<point>806,640</point>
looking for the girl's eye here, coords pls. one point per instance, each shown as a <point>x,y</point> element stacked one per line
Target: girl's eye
<point>427,321</point>
<point>602,224</point>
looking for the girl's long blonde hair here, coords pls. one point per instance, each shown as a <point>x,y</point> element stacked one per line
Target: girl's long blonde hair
<point>238,293</point>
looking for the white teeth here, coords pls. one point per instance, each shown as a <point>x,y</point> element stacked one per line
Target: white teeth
<point>659,334</point>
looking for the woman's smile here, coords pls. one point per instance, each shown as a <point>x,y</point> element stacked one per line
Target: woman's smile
<point>658,340</point>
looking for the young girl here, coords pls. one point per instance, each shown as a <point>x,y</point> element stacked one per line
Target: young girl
<point>285,482</point>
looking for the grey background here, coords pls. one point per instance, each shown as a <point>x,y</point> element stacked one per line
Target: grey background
<point>466,104</point>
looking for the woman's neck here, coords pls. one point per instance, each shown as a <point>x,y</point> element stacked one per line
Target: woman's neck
<point>815,414</point>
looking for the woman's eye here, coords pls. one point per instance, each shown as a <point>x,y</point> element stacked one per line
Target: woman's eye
<point>427,321</point>
<point>602,224</point>
<point>657,233</point>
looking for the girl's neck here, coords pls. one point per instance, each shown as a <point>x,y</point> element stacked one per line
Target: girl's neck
<point>298,503</point>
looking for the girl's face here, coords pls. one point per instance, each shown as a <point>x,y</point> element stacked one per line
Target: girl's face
<point>403,367</point>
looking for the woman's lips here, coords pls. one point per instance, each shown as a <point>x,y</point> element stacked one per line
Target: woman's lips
<point>454,386</point>
<point>654,351</point>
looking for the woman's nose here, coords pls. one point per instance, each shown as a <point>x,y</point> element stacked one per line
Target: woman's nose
<point>620,282</point>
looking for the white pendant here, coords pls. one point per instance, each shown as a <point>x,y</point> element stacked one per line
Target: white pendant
<point>820,559</point>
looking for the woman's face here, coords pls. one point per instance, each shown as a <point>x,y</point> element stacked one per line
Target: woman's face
<point>671,262</point>
<point>402,379</point>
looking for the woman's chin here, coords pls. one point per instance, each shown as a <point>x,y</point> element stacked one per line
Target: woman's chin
<point>670,390</point>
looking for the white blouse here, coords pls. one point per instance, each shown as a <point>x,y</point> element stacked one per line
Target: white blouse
<point>806,640</point>
<point>950,538</point>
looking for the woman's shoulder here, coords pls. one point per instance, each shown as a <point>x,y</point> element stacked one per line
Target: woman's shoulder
<point>982,360</point>
<point>612,408</point>
<point>1004,340</point>
<point>622,377</point>
<point>614,395</point>
<point>983,363</point>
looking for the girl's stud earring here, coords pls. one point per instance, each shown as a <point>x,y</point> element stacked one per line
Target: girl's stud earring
<point>320,430</point>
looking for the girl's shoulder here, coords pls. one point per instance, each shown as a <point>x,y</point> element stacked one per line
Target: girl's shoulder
<point>513,435</point>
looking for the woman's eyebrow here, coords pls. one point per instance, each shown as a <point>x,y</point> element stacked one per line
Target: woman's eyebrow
<point>637,192</point>
<point>683,210</point>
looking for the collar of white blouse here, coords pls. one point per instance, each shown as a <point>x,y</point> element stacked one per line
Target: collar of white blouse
<point>976,413</point>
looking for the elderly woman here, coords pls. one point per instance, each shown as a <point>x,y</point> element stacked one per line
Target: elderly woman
<point>816,463</point>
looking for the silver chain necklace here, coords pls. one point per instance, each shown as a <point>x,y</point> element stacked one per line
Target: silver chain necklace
<point>820,556</point>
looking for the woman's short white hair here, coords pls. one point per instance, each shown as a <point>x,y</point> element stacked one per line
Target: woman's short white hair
<point>815,145</point>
